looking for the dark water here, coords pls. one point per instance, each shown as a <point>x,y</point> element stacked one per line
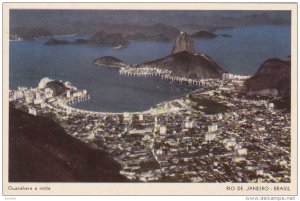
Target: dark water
<point>248,48</point>
<point>243,53</point>
<point>32,60</point>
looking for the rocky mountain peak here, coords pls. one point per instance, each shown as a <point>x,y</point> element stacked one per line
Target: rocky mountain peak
<point>183,43</point>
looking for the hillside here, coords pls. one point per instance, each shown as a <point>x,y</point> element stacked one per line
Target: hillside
<point>41,151</point>
<point>186,64</point>
<point>273,74</point>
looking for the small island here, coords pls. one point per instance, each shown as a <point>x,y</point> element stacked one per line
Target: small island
<point>53,41</point>
<point>109,61</point>
<point>203,35</point>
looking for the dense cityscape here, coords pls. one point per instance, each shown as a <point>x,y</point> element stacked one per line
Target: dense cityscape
<point>214,134</point>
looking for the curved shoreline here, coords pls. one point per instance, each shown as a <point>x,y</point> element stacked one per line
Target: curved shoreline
<point>133,138</point>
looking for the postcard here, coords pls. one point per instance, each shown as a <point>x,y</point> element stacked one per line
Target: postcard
<point>150,99</point>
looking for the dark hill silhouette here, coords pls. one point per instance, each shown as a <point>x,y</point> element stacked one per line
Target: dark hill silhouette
<point>273,74</point>
<point>186,64</point>
<point>41,151</point>
<point>57,86</point>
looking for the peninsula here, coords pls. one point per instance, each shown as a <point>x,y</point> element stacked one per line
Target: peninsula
<point>182,64</point>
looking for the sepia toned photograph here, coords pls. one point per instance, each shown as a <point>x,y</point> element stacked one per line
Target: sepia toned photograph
<point>141,95</point>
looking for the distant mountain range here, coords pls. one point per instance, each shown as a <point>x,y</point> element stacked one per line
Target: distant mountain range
<point>61,22</point>
<point>160,32</point>
<point>119,36</point>
<point>108,33</point>
<point>135,25</point>
<point>108,39</point>
<point>118,40</point>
